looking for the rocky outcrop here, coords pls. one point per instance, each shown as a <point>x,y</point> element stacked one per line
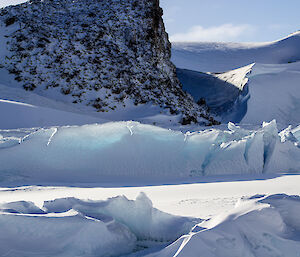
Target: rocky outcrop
<point>101,53</point>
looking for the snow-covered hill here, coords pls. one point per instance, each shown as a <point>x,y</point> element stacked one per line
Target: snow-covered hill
<point>251,94</point>
<point>106,55</point>
<point>266,88</point>
<point>221,57</point>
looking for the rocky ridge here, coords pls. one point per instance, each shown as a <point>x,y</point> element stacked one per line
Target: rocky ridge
<point>103,54</point>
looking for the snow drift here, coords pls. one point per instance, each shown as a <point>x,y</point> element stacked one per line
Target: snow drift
<point>130,150</point>
<point>73,227</point>
<point>261,226</point>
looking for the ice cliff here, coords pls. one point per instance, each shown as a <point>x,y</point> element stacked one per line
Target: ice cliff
<point>130,151</point>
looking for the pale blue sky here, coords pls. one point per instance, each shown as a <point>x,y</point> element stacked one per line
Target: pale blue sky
<point>226,20</point>
<point>231,20</point>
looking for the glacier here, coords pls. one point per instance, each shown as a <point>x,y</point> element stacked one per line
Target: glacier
<point>245,83</point>
<point>134,151</point>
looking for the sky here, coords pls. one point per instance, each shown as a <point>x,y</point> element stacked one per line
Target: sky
<point>226,20</point>
<point>230,20</point>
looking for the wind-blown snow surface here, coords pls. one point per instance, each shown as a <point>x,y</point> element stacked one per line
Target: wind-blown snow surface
<point>221,57</point>
<point>261,226</point>
<point>89,153</point>
<point>72,227</point>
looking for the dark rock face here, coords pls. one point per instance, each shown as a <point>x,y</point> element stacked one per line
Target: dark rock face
<point>100,53</point>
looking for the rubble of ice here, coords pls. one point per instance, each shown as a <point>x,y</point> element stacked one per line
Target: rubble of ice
<point>73,227</point>
<point>260,226</point>
<point>130,150</point>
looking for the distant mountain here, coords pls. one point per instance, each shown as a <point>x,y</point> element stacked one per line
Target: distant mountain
<point>266,88</point>
<point>109,55</point>
<point>222,57</point>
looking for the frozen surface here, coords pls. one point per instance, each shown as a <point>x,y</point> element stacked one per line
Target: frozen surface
<point>229,217</point>
<point>88,153</point>
<point>260,226</point>
<point>73,227</point>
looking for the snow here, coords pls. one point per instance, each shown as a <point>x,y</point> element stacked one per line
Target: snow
<point>27,110</point>
<point>274,92</point>
<point>268,89</point>
<point>21,115</point>
<point>5,3</point>
<point>74,183</point>
<point>73,227</point>
<point>259,226</point>
<point>211,197</point>
<point>222,57</point>
<point>83,54</point>
<point>226,93</point>
<point>51,108</point>
<point>87,153</point>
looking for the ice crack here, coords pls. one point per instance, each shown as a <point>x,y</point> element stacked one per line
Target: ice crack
<point>52,135</point>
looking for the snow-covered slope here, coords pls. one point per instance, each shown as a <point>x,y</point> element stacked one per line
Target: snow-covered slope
<point>261,226</point>
<point>251,94</point>
<point>224,93</point>
<point>274,93</point>
<point>268,89</point>
<point>221,57</point>
<point>83,53</point>
<point>20,115</point>
<point>124,151</point>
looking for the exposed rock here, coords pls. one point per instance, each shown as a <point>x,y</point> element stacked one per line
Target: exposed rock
<point>99,53</point>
